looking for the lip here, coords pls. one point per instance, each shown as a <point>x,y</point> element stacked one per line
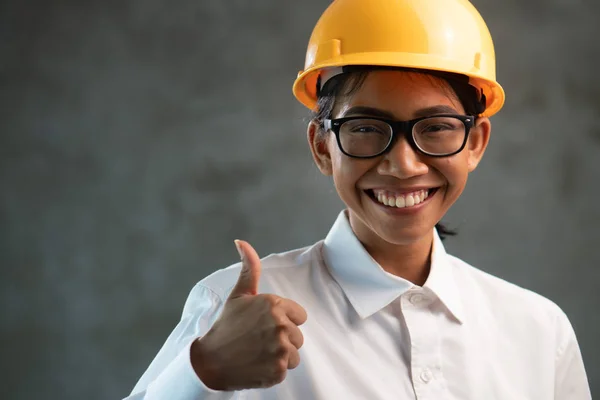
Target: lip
<point>404,210</point>
<point>403,190</point>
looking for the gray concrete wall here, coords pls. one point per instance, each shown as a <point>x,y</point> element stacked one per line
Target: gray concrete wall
<point>139,138</point>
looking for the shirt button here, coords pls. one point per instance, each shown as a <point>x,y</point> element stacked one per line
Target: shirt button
<point>426,375</point>
<point>417,299</point>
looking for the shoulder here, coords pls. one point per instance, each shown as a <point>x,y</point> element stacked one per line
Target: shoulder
<point>506,301</point>
<point>277,268</point>
<point>523,327</point>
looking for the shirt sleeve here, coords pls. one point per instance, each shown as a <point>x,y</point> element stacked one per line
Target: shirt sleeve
<point>570,380</point>
<point>171,375</point>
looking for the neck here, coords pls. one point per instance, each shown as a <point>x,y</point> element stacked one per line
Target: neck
<point>409,261</point>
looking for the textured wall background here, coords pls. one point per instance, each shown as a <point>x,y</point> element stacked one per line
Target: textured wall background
<point>139,138</point>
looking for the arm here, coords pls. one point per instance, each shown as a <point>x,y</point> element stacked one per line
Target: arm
<point>570,380</point>
<point>171,374</point>
<point>252,343</point>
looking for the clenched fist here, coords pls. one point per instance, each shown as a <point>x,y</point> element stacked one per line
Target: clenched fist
<point>256,338</point>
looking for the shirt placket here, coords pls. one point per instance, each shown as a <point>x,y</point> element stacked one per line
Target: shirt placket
<point>425,342</point>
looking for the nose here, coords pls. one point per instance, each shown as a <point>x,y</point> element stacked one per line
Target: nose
<point>402,161</point>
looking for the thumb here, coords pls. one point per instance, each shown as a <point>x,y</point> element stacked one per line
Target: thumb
<point>247,283</point>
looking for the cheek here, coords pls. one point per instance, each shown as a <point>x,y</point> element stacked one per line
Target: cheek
<point>347,173</point>
<point>455,170</point>
<point>339,170</point>
<point>340,164</point>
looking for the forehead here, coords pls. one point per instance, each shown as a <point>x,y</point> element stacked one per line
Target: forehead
<point>401,94</point>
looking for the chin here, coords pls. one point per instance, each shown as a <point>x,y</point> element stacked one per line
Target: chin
<point>404,235</point>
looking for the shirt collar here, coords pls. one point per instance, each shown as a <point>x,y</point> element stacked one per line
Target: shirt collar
<point>368,287</point>
<point>442,281</point>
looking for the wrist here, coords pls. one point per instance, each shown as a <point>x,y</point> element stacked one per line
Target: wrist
<point>204,367</point>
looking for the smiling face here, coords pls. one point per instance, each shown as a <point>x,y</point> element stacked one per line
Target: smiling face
<point>398,197</point>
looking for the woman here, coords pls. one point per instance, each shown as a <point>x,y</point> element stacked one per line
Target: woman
<point>402,92</point>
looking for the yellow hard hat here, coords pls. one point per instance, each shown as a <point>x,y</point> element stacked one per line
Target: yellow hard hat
<point>438,35</point>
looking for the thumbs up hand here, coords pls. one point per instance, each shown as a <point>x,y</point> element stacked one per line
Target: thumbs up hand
<point>247,283</point>
<point>256,338</point>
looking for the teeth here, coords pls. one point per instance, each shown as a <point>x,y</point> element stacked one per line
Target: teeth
<point>401,201</point>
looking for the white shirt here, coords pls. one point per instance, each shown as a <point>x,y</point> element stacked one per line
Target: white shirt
<point>371,335</point>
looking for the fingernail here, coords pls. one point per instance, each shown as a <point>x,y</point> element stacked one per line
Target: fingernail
<point>239,249</point>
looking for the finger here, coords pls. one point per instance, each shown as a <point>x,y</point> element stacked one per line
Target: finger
<point>295,336</point>
<point>293,359</point>
<point>295,312</point>
<point>247,283</point>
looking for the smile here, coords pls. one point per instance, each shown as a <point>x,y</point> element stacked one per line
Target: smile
<point>400,200</point>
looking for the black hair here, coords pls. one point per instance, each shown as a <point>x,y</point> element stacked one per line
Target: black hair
<point>352,79</point>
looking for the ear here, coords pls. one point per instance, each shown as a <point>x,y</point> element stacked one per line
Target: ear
<point>317,142</point>
<point>479,138</point>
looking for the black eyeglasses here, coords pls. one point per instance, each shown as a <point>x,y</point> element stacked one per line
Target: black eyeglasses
<point>367,137</point>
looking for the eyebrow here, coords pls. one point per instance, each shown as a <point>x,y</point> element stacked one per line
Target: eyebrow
<point>376,112</point>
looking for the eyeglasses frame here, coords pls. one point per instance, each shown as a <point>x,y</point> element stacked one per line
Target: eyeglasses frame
<point>399,129</point>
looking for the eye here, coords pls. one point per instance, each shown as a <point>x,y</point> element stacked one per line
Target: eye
<point>366,126</point>
<point>366,129</point>
<point>437,128</point>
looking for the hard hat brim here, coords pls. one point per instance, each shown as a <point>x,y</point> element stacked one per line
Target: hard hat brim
<point>305,86</point>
